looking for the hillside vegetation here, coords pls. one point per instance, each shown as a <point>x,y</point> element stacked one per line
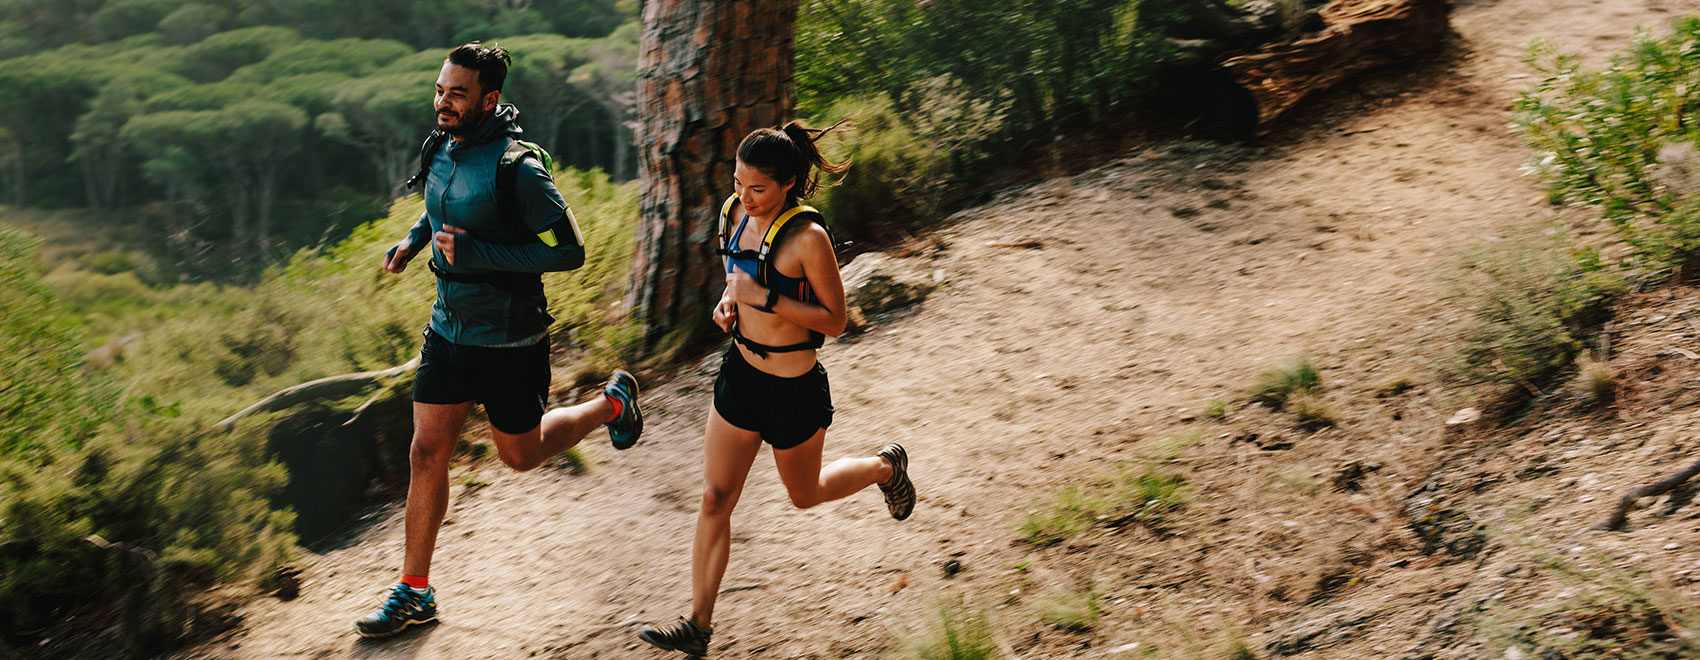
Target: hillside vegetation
<point>212,184</point>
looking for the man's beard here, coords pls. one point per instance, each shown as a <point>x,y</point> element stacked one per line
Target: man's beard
<point>463,124</point>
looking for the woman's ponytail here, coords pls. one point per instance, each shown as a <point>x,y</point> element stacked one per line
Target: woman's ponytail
<point>789,153</point>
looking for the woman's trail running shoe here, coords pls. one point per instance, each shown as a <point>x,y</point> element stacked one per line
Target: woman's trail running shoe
<point>899,491</point>
<point>683,636</point>
<point>625,428</point>
<point>405,607</point>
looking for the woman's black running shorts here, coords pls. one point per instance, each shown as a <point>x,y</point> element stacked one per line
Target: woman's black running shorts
<point>785,411</point>
<point>512,383</point>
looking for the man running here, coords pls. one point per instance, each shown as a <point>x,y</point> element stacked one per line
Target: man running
<point>495,222</point>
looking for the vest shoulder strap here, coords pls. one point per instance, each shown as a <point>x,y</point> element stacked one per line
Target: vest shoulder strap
<point>726,222</point>
<point>793,217</point>
<point>427,150</point>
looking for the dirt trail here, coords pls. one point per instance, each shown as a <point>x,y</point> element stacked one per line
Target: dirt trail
<point>1165,279</point>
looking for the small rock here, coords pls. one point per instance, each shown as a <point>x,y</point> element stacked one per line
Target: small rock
<point>877,283</point>
<point>1514,653</point>
<point>1464,416</point>
<point>951,568</point>
<point>288,579</point>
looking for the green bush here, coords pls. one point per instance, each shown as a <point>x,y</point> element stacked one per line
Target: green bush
<point>1284,379</point>
<point>330,310</point>
<point>94,511</point>
<point>937,92</point>
<point>1079,60</point>
<point>174,506</point>
<point>1534,302</point>
<point>1608,611</point>
<point>1124,497</point>
<point>1600,137</point>
<point>1073,611</point>
<point>956,631</point>
<point>45,398</point>
<point>903,165</point>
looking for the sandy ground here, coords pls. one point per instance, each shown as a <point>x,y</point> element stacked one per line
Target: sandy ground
<point>1160,281</point>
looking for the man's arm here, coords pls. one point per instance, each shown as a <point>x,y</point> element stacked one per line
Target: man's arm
<point>396,259</point>
<point>559,246</point>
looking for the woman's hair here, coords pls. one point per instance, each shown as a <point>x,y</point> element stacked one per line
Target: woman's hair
<point>788,153</point>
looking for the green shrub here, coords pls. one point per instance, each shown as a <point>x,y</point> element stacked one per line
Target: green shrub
<point>1600,137</point>
<point>92,512</point>
<point>1596,379</point>
<point>902,165</point>
<point>1166,448</point>
<point>956,631</point>
<point>330,310</point>
<point>1534,302</point>
<point>1079,60</point>
<point>1071,512</point>
<point>937,91</point>
<point>1073,611</point>
<point>1293,375</point>
<point>45,398</point>
<point>1609,612</point>
<point>1311,410</point>
<point>1125,497</point>
<point>180,508</point>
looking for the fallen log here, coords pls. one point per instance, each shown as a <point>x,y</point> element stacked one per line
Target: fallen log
<point>327,388</point>
<point>1358,35</point>
<point>1620,515</point>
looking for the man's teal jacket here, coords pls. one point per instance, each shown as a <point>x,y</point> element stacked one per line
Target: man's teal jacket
<point>477,301</point>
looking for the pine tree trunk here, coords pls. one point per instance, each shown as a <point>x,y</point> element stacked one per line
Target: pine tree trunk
<point>709,73</point>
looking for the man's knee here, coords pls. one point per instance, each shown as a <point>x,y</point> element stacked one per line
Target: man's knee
<point>520,452</point>
<point>429,451</point>
<point>516,459</point>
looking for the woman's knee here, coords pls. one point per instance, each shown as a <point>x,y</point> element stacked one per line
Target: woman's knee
<point>718,502</point>
<point>807,500</point>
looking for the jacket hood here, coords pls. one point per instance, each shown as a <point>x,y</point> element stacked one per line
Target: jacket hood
<point>501,123</point>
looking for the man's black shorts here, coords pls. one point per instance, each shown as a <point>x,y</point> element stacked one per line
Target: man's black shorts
<point>785,411</point>
<point>512,383</point>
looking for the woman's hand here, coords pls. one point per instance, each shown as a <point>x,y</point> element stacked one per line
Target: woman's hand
<point>741,288</point>
<point>726,314</point>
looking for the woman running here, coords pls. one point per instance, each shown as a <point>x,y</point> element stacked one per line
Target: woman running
<point>783,296</point>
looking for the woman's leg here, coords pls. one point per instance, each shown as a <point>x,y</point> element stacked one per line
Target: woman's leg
<point>727,453</point>
<point>809,484</point>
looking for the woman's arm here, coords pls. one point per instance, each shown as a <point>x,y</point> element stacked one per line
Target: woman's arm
<point>726,311</point>
<point>820,267</point>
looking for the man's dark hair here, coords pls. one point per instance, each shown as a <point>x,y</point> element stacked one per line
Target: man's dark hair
<point>491,63</point>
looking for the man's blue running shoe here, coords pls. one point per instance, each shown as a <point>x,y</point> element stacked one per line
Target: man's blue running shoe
<point>405,607</point>
<point>626,428</point>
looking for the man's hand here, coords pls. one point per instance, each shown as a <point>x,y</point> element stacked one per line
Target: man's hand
<point>395,261</point>
<point>726,314</point>
<point>445,242</point>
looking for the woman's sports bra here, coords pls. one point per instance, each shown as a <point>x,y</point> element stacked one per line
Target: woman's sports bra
<point>796,288</point>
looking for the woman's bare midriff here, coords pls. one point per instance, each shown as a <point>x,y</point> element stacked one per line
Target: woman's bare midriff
<point>770,329</point>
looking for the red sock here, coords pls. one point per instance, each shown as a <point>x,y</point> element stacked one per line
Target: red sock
<point>418,582</point>
<point>617,407</point>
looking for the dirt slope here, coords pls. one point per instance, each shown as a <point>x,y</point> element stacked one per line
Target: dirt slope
<point>1164,279</point>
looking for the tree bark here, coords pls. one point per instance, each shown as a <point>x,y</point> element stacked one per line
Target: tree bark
<point>709,73</point>
<point>1359,35</point>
